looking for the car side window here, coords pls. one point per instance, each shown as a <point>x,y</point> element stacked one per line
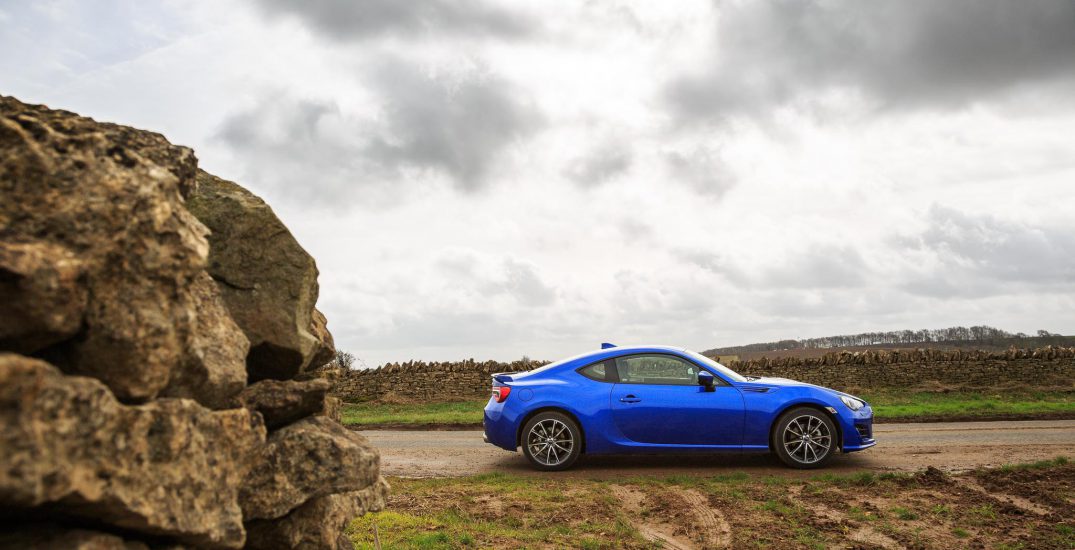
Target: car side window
<point>596,371</point>
<point>657,369</point>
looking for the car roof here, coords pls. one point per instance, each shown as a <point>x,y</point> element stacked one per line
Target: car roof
<point>625,350</point>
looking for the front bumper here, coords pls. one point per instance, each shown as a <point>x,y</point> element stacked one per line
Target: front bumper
<point>857,429</point>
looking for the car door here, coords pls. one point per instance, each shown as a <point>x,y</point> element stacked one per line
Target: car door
<point>657,400</point>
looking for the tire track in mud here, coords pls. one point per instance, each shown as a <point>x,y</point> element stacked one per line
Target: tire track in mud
<point>1023,504</point>
<point>862,534</point>
<point>706,529</point>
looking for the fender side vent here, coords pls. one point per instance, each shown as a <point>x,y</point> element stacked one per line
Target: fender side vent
<point>755,389</point>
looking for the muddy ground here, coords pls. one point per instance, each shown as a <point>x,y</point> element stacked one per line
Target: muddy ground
<point>1021,507</point>
<point>951,447</point>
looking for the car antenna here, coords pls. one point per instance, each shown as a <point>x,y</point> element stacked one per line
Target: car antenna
<point>606,345</point>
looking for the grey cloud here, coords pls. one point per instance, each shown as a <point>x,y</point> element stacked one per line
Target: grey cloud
<point>600,165</point>
<point>981,255</point>
<point>818,266</point>
<point>453,127</point>
<point>524,283</point>
<point>519,279</point>
<point>908,53</point>
<point>360,19</point>
<point>456,126</point>
<point>634,230</point>
<point>705,172</point>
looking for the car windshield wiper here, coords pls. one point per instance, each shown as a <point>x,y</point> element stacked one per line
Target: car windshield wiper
<point>751,377</point>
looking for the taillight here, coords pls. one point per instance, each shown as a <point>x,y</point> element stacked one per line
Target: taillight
<point>500,393</point>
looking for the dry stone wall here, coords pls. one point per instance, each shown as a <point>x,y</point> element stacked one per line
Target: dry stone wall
<point>158,341</point>
<point>849,371</point>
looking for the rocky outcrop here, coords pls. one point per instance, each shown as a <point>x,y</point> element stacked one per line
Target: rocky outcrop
<point>268,281</point>
<point>128,335</point>
<point>98,209</point>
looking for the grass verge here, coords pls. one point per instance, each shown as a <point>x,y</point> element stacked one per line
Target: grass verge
<point>912,405</point>
<point>898,406</point>
<point>458,412</point>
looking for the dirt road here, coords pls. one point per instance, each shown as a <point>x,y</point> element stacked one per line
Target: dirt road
<point>951,446</point>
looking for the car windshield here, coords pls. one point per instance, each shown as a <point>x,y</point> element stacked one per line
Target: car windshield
<point>721,369</point>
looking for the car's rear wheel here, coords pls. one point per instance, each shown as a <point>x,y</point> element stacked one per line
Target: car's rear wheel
<point>551,441</point>
<point>804,438</point>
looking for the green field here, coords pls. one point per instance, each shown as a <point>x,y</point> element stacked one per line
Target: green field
<point>458,412</point>
<point>889,404</point>
<point>921,404</point>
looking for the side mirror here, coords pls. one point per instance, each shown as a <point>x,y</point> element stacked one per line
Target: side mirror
<point>706,380</point>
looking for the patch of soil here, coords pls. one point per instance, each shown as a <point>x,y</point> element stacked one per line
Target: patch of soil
<point>677,518</point>
<point>1041,490</point>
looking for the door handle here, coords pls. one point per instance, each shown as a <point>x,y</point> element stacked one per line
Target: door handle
<point>629,399</point>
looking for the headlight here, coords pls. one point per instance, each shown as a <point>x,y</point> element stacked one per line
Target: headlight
<point>852,403</point>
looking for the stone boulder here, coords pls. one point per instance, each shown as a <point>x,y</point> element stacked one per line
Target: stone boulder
<point>283,402</point>
<point>292,469</point>
<point>55,537</point>
<point>99,252</point>
<point>171,468</point>
<point>43,295</point>
<point>318,524</point>
<point>333,409</point>
<point>125,417</point>
<point>267,279</point>
<point>213,370</point>
<point>326,347</point>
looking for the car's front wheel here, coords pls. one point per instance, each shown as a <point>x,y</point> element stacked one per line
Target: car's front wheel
<point>804,438</point>
<point>551,441</point>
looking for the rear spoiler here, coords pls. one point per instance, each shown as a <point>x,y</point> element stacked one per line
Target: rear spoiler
<point>504,377</point>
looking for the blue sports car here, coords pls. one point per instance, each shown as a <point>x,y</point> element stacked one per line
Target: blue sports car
<point>664,399</point>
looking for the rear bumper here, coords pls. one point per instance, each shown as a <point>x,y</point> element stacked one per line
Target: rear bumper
<point>499,427</point>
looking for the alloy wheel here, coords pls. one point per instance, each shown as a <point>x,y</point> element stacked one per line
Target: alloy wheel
<point>550,442</point>
<point>807,439</point>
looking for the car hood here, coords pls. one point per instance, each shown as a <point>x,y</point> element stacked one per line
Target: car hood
<point>772,383</point>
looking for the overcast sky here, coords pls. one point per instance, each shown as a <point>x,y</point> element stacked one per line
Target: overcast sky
<point>494,179</point>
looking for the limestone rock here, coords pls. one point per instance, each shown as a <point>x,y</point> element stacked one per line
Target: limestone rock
<point>55,537</point>
<point>268,281</point>
<point>94,214</point>
<point>171,468</point>
<point>42,294</point>
<point>319,523</point>
<point>283,402</point>
<point>311,458</point>
<point>333,409</point>
<point>213,370</point>
<point>326,348</point>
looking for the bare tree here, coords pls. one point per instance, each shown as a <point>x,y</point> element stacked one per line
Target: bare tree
<point>344,359</point>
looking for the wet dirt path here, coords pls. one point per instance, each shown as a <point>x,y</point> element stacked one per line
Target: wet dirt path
<point>950,446</point>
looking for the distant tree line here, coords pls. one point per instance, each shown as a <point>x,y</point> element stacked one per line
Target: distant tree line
<point>977,334</point>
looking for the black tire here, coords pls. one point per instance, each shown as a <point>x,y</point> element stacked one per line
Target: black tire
<point>545,441</point>
<point>805,438</point>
